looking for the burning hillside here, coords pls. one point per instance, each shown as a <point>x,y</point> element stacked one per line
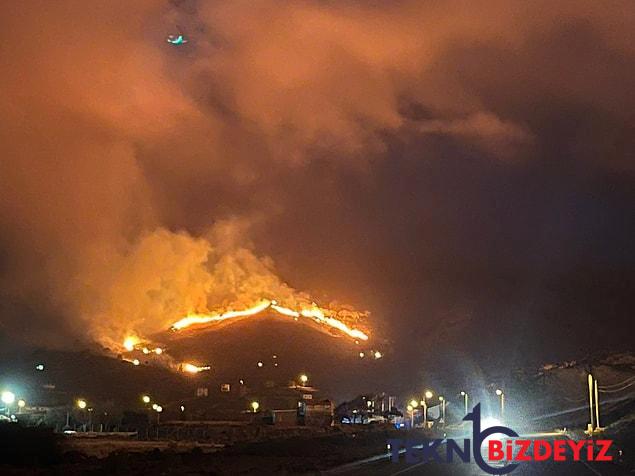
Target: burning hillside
<point>330,321</point>
<point>173,281</point>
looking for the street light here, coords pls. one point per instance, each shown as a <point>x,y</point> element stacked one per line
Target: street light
<point>158,409</point>
<point>8,398</point>
<point>255,406</point>
<point>465,397</point>
<point>501,395</point>
<point>145,398</point>
<point>21,405</point>
<point>411,409</point>
<point>427,395</point>
<point>414,403</point>
<point>304,379</point>
<point>82,404</point>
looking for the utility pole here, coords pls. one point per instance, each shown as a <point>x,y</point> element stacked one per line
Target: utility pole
<point>597,406</point>
<point>590,380</point>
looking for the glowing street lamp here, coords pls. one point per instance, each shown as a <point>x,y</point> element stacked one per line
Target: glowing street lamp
<point>465,397</point>
<point>426,395</point>
<point>501,396</point>
<point>21,405</point>
<point>82,404</point>
<point>158,409</point>
<point>412,405</point>
<point>8,398</point>
<point>255,406</point>
<point>145,399</point>
<point>304,379</point>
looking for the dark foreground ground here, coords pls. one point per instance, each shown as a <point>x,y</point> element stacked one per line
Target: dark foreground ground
<point>363,452</point>
<point>42,453</point>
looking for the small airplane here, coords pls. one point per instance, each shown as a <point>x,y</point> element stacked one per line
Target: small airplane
<point>176,39</point>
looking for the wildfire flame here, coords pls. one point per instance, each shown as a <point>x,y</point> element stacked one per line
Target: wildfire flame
<point>194,369</point>
<point>133,343</point>
<point>193,319</point>
<point>314,312</point>
<point>130,342</point>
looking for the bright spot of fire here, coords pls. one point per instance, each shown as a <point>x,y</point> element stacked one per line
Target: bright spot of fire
<point>314,313</point>
<point>285,311</point>
<point>130,342</point>
<point>204,319</point>
<point>194,369</point>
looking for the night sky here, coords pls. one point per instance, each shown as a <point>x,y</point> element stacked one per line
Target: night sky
<point>463,171</point>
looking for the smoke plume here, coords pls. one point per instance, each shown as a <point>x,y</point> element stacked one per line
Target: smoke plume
<point>134,173</point>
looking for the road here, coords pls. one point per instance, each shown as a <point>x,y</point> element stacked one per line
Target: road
<point>381,465</point>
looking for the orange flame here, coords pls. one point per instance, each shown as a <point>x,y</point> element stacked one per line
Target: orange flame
<point>130,343</point>
<point>194,369</point>
<point>313,312</point>
<point>193,319</point>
